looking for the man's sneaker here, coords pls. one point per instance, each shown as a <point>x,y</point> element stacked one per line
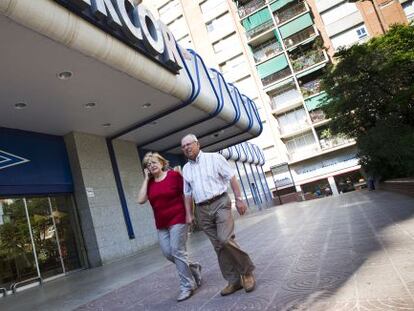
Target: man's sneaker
<point>196,272</point>
<point>248,281</point>
<point>230,289</point>
<point>185,294</point>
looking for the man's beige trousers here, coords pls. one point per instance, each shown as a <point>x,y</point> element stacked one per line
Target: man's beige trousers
<point>216,220</point>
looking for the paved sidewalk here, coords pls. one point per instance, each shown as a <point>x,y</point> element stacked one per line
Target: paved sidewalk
<point>350,252</point>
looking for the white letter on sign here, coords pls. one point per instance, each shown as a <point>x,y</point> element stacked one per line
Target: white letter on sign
<point>131,28</point>
<point>150,28</point>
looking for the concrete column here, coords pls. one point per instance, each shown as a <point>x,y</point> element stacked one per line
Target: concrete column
<point>100,212</point>
<point>299,190</point>
<point>332,184</point>
<point>142,217</point>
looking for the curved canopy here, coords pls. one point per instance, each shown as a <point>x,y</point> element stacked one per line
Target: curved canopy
<point>245,152</point>
<point>76,77</point>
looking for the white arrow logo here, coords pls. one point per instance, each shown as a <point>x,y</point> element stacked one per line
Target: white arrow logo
<point>8,159</point>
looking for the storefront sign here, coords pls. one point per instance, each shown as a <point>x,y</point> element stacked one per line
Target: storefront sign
<point>329,164</point>
<point>281,176</point>
<point>133,24</point>
<point>33,164</point>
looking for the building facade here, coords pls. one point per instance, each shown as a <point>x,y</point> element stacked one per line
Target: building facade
<point>292,42</point>
<point>277,52</point>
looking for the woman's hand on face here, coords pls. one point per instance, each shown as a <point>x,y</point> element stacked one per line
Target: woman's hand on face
<point>147,173</point>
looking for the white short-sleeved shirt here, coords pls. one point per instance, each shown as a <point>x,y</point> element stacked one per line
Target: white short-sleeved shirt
<point>206,177</point>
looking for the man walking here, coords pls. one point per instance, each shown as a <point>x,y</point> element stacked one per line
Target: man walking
<point>206,177</point>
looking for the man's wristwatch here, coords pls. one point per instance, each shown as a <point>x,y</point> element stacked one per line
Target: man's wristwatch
<point>239,199</point>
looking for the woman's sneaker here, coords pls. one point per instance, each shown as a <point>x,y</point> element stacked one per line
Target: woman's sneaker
<point>185,294</point>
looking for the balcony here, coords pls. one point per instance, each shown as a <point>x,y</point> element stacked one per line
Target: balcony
<point>294,129</point>
<point>267,50</point>
<point>250,7</point>
<point>250,34</point>
<point>332,142</point>
<point>311,88</point>
<point>303,153</point>
<point>237,72</point>
<point>316,101</point>
<point>299,37</point>
<point>317,115</point>
<point>276,76</point>
<point>307,60</point>
<point>211,11</point>
<point>290,12</point>
<point>289,99</point>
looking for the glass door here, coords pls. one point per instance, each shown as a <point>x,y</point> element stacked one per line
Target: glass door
<point>45,237</point>
<point>17,255</point>
<point>64,217</point>
<point>38,239</point>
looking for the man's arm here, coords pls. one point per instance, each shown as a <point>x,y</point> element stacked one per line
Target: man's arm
<point>240,205</point>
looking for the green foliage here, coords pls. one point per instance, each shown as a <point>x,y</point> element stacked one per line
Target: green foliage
<point>372,91</point>
<point>388,151</point>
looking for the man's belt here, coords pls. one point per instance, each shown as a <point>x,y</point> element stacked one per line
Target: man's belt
<point>211,200</point>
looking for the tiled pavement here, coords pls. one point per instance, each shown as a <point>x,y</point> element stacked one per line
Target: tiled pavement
<point>350,252</point>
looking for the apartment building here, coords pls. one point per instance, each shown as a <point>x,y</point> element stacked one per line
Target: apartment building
<point>211,29</point>
<point>344,23</point>
<point>276,51</point>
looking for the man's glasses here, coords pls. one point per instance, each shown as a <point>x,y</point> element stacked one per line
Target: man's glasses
<point>188,145</point>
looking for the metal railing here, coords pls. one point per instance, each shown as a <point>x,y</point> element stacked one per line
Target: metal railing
<point>310,88</point>
<point>25,282</point>
<point>317,115</point>
<point>266,50</point>
<point>259,29</point>
<point>290,12</point>
<point>250,7</point>
<point>309,59</point>
<point>300,36</point>
<point>276,76</point>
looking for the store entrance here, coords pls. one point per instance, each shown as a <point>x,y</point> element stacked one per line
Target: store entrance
<point>37,239</point>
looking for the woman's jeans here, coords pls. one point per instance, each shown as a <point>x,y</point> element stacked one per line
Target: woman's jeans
<point>173,245</point>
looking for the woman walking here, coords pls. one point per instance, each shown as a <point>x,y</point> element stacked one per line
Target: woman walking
<point>164,190</point>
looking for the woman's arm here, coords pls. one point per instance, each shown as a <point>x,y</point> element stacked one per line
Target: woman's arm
<point>142,194</point>
<point>188,203</point>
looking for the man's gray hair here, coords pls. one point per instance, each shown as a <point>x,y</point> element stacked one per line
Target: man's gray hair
<point>192,136</point>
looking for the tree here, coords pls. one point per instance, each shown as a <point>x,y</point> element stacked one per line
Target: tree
<point>371,88</point>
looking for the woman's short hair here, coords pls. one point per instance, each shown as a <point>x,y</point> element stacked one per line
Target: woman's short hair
<point>149,156</point>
